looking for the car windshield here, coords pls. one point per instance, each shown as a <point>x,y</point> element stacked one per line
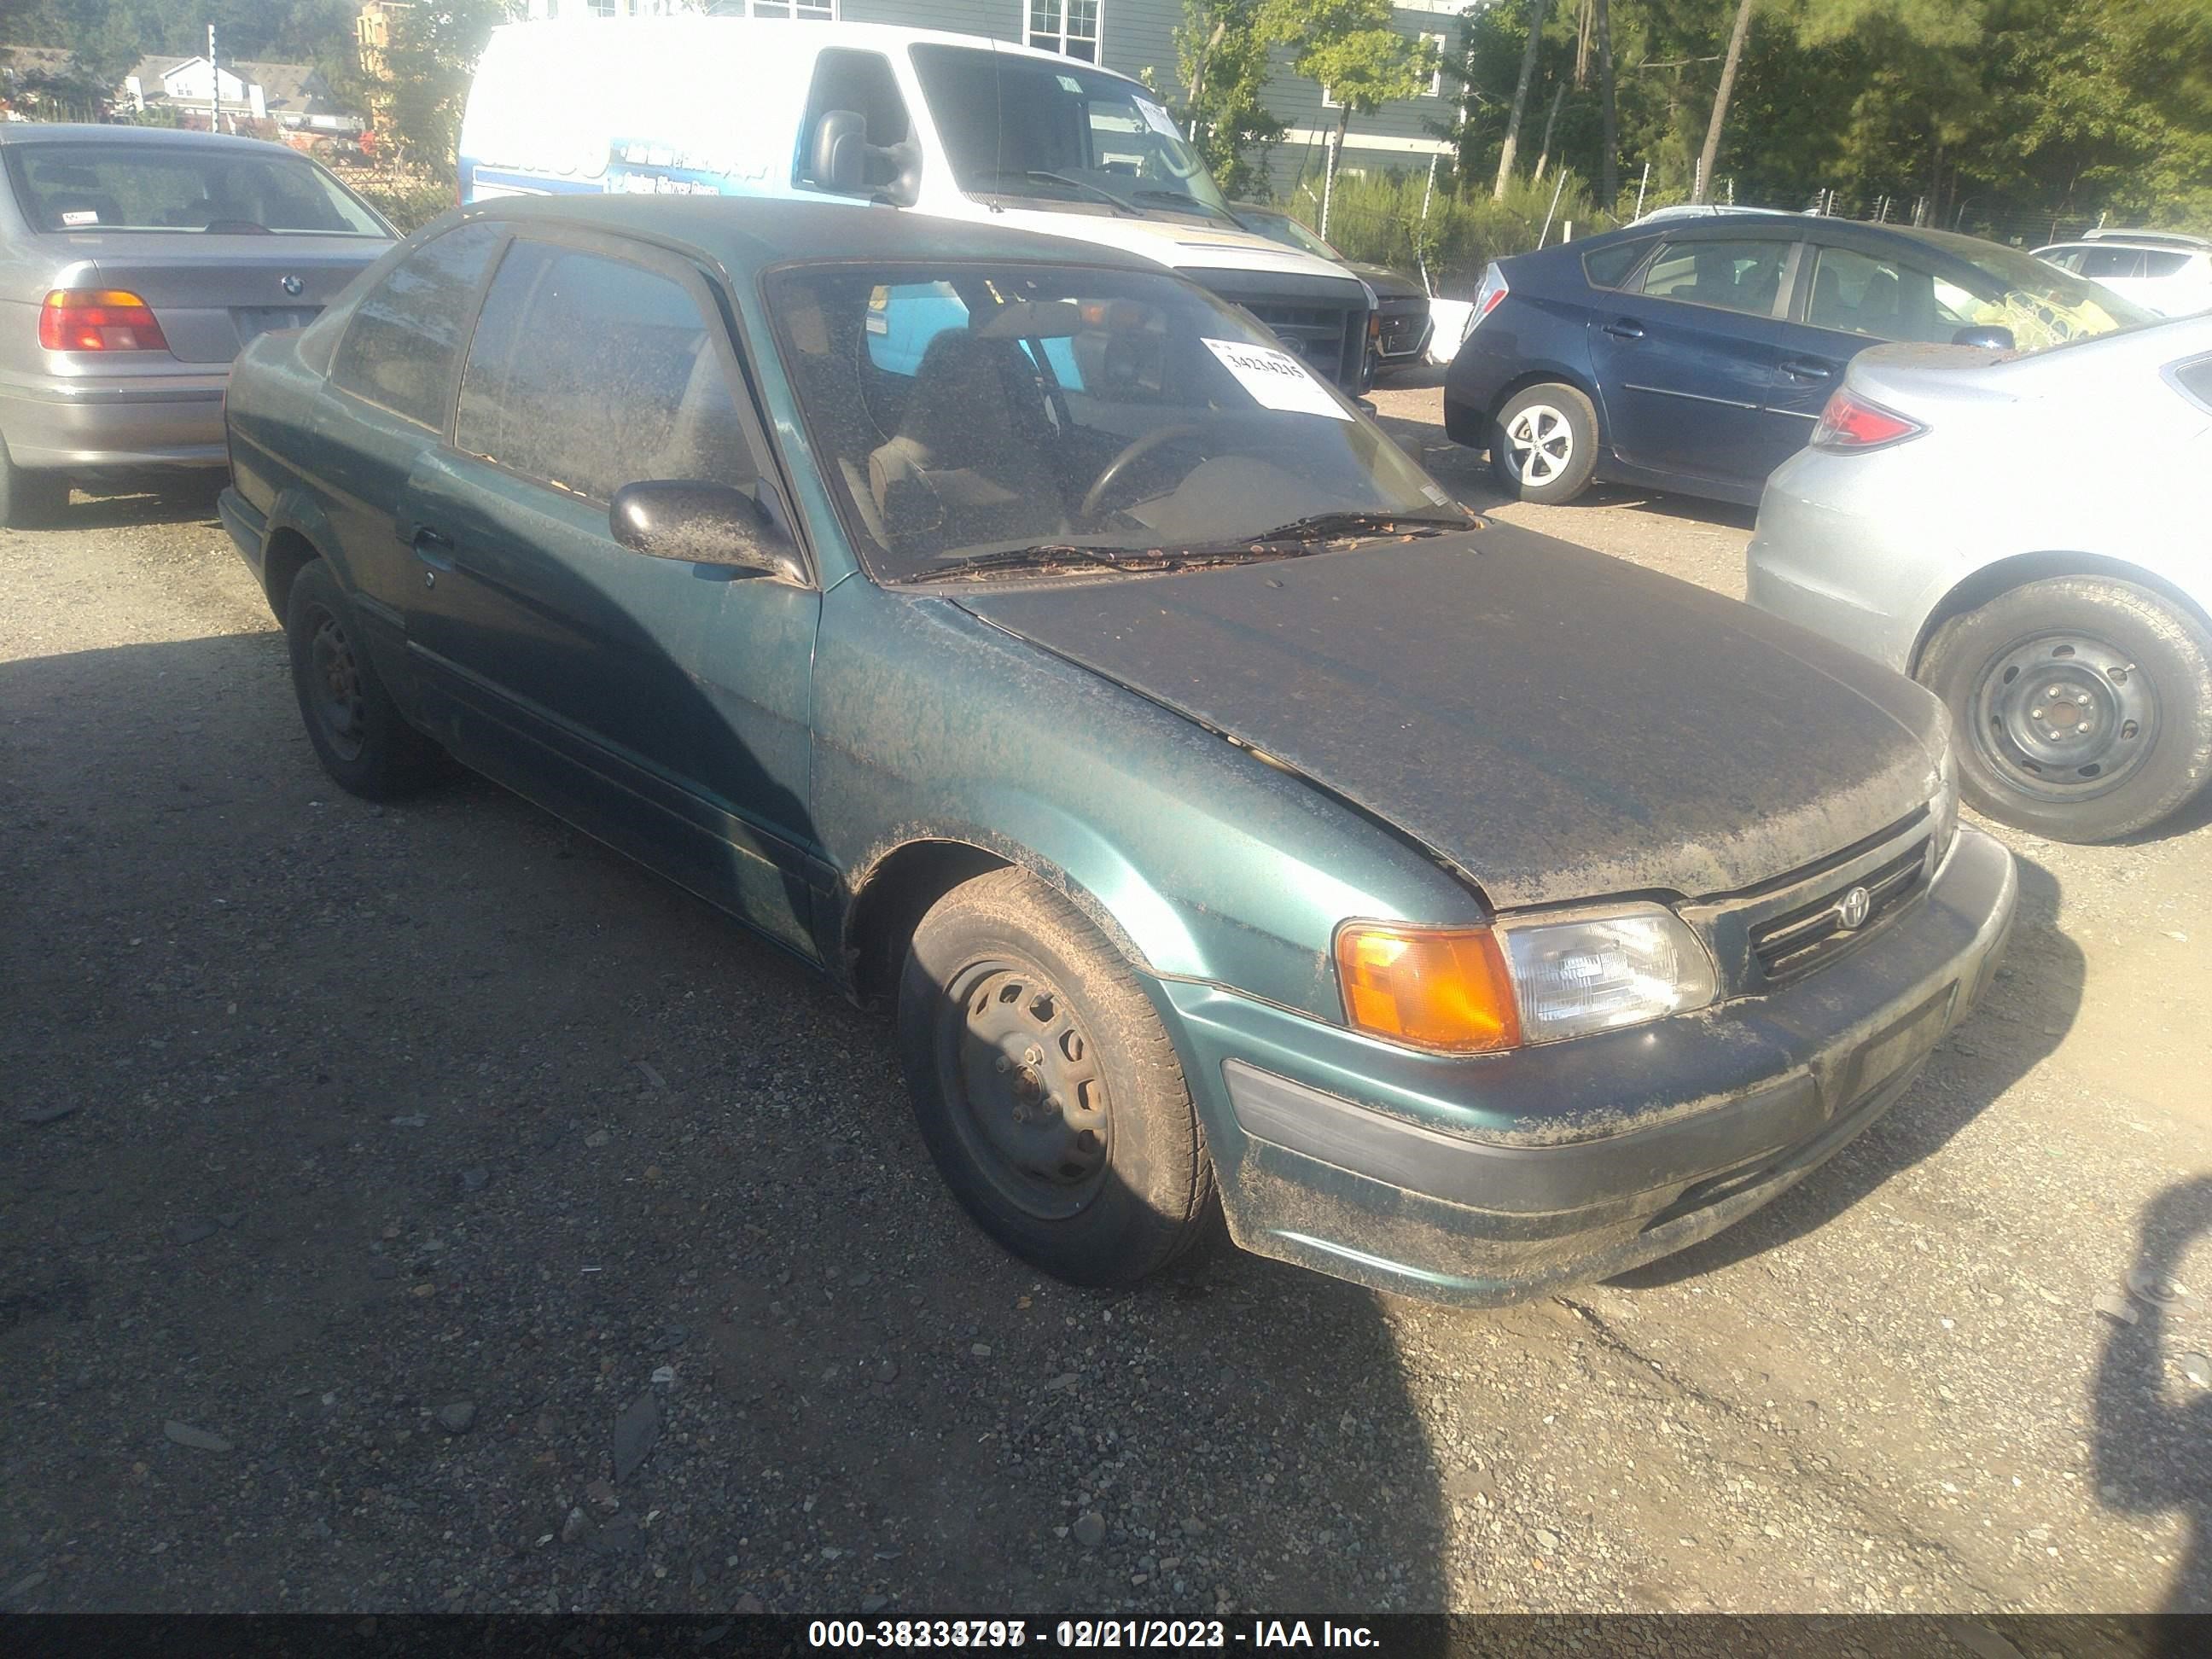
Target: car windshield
<point>218,189</point>
<point>977,417</point>
<point>1059,136</point>
<point>2041,304</point>
<point>1281,228</point>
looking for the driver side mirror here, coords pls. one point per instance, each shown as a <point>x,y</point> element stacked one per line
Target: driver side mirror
<point>699,523</point>
<point>840,157</point>
<point>1995,337</point>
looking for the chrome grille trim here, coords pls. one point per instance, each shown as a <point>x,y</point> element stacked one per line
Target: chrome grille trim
<point>1768,936</point>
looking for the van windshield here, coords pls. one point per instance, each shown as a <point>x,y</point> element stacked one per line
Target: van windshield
<point>974,419</point>
<point>1059,135</point>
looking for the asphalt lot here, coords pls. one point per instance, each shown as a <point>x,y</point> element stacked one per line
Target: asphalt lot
<point>364,1169</point>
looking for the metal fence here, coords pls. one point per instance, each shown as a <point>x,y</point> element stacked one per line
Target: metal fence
<point>409,200</point>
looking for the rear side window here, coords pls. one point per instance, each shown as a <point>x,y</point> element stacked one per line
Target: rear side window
<point>590,373</point>
<point>1745,276</point>
<point>65,187</point>
<point>2158,263</point>
<point>401,346</point>
<point>2098,263</point>
<point>1609,266</point>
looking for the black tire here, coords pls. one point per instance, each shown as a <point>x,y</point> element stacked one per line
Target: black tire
<point>28,498</point>
<point>360,736</point>
<point>1004,970</point>
<point>1543,445</point>
<point>2083,705</point>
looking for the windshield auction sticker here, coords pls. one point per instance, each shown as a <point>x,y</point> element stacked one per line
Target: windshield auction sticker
<point>1156,118</point>
<point>1276,379</point>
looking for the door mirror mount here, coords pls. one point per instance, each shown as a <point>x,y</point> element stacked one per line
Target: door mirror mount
<point>1993,336</point>
<point>841,159</point>
<point>695,522</point>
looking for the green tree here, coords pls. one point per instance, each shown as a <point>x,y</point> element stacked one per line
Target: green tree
<point>1222,60</point>
<point>434,52</point>
<point>1350,48</point>
<point>1512,142</point>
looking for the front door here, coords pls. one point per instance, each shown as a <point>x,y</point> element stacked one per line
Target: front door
<point>1685,358</point>
<point>660,704</point>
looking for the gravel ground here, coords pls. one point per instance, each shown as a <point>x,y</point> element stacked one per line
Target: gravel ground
<point>422,1208</point>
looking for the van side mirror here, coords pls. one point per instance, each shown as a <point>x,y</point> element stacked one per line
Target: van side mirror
<point>843,159</point>
<point>1995,337</point>
<point>840,157</point>
<point>696,522</point>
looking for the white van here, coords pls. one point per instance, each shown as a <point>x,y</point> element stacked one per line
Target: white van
<point>958,126</point>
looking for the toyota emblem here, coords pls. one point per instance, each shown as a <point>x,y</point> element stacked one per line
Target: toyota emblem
<point>1852,909</point>
<point>293,285</point>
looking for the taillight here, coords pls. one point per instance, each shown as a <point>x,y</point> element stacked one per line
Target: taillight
<point>98,319</point>
<point>1850,422</point>
<point>1494,287</point>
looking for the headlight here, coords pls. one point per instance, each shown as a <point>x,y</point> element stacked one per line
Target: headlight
<point>1475,990</point>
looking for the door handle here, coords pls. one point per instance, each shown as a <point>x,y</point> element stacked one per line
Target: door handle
<point>430,545</point>
<point>1807,371</point>
<point>1624,329</point>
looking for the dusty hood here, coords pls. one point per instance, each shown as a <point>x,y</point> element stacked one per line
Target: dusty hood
<point>1557,723</point>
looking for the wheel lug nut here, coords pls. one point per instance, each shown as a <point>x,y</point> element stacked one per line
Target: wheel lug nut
<point>2039,712</point>
<point>2081,700</point>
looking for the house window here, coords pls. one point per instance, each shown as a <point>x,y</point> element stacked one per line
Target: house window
<point>1329,98</point>
<point>812,11</point>
<point>1069,27</point>
<point>1437,79</point>
<point>603,8</point>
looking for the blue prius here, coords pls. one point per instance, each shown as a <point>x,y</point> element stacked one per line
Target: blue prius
<point>1022,636</point>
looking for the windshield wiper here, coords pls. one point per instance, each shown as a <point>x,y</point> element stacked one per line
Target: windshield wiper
<point>1188,204</point>
<point>1084,185</point>
<point>1342,526</point>
<point>1060,557</point>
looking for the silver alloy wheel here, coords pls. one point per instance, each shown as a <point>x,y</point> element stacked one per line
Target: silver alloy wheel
<point>1541,442</point>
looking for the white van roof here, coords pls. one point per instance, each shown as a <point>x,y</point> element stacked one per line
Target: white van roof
<point>805,38</point>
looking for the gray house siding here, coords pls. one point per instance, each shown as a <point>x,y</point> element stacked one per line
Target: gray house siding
<point>1137,35</point>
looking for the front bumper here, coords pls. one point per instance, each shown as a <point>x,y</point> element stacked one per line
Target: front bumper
<point>53,422</point>
<point>1482,1181</point>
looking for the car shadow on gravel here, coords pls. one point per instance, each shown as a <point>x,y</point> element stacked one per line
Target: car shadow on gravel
<point>2153,1431</point>
<point>418,1208</point>
<point>125,501</point>
<point>2021,1021</point>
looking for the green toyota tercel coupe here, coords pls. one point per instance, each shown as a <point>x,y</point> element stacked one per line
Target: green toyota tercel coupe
<point>1016,633</point>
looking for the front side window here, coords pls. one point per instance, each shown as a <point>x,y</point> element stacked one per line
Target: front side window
<point>590,372</point>
<point>1745,276</point>
<point>1069,27</point>
<point>1884,298</point>
<point>1059,137</point>
<point>973,413</point>
<point>403,337</point>
<point>218,191</point>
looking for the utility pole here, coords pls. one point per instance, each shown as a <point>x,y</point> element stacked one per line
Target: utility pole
<point>215,84</point>
<point>1721,99</point>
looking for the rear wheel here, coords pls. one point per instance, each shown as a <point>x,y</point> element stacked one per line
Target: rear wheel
<point>360,736</point>
<point>2083,705</point>
<point>1045,1086</point>
<point>1543,446</point>
<point>29,499</point>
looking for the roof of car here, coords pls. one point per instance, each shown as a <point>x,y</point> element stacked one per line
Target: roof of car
<point>106,133</point>
<point>753,234</point>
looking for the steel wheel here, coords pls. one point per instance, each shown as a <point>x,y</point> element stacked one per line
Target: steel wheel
<point>340,707</point>
<point>2065,716</point>
<point>1023,1081</point>
<point>1541,443</point>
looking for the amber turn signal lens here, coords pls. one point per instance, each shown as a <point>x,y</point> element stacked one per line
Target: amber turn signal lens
<point>1444,989</point>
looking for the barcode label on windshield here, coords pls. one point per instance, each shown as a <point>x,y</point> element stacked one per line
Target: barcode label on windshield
<point>1276,379</point>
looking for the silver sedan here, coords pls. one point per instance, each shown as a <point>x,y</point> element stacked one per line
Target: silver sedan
<point>134,263</point>
<point>2025,535</point>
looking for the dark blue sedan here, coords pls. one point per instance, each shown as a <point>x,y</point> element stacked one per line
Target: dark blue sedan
<point>1696,355</point>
